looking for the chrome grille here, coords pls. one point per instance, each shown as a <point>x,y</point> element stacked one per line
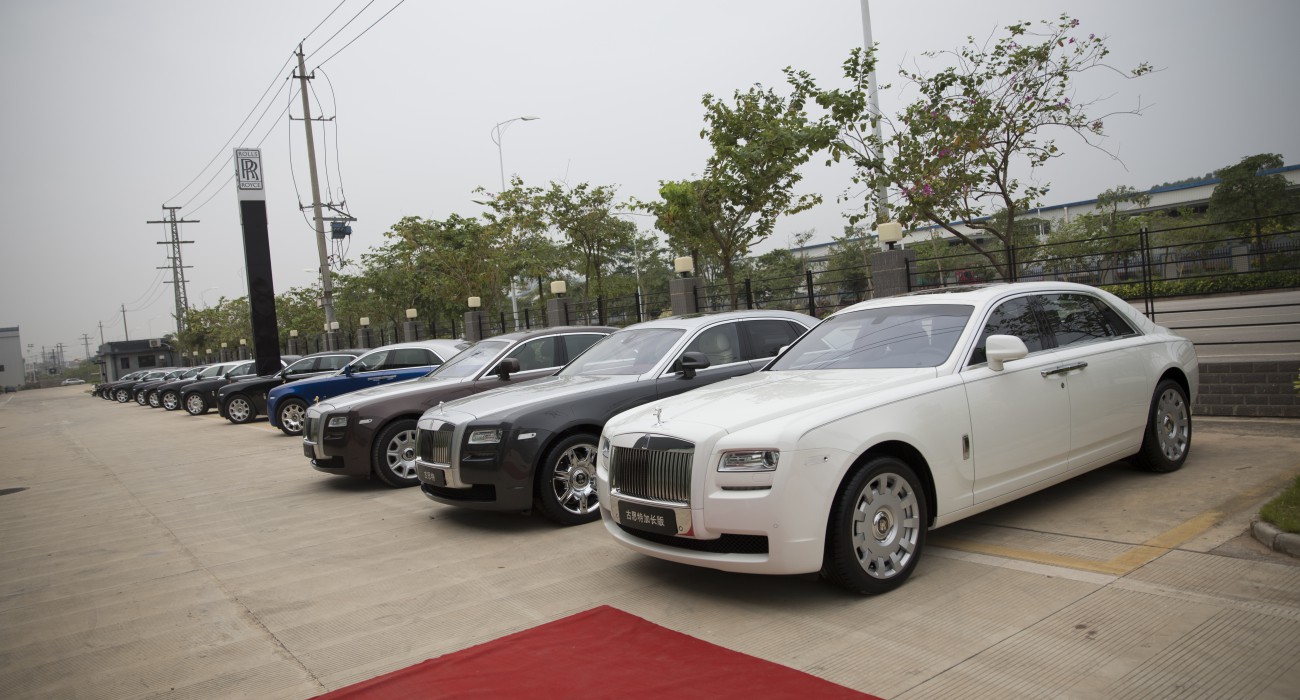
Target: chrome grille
<point>434,446</point>
<point>663,476</point>
<point>311,428</point>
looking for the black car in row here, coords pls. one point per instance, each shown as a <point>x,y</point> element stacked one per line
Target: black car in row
<point>245,400</point>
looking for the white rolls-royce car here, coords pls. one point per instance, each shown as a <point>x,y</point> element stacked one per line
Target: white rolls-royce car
<point>891,417</point>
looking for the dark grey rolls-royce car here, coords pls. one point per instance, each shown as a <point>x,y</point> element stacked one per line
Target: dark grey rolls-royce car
<point>534,444</point>
<point>372,430</point>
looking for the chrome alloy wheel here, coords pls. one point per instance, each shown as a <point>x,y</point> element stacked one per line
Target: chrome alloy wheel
<point>292,416</point>
<point>400,454</point>
<point>169,401</point>
<point>573,479</point>
<point>239,409</point>
<point>1173,426</point>
<point>153,399</point>
<point>886,525</point>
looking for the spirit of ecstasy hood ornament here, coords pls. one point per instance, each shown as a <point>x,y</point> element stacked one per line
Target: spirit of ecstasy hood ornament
<point>659,416</point>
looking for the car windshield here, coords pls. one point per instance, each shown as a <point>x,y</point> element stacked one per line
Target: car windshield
<point>625,352</point>
<point>468,362</point>
<point>193,372</point>
<point>881,337</point>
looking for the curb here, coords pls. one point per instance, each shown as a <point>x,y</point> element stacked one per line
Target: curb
<point>1274,538</point>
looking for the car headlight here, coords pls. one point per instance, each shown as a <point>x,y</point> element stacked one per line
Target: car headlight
<point>604,447</point>
<point>749,461</point>
<point>337,422</point>
<point>485,437</point>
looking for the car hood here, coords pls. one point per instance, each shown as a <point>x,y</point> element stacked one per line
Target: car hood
<point>753,399</point>
<point>373,394</point>
<point>537,391</point>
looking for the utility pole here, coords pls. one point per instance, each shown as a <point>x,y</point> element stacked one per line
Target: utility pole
<point>873,100</point>
<point>177,268</point>
<point>125,333</point>
<point>326,280</point>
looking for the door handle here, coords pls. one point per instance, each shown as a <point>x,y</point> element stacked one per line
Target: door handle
<point>1063,369</point>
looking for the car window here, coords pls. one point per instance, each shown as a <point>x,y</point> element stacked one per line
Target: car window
<point>243,370</point>
<point>1013,317</point>
<point>538,353</point>
<point>329,362</point>
<point>212,371</point>
<point>634,351</point>
<point>576,343</point>
<point>721,344</point>
<point>767,337</point>
<point>880,337</point>
<point>468,362</point>
<point>403,358</point>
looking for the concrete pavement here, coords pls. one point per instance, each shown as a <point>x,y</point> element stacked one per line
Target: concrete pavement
<point>158,554</point>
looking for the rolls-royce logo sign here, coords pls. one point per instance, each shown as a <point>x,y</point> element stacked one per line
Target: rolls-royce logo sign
<point>248,173</point>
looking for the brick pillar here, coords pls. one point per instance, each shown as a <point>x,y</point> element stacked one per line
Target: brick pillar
<point>889,270</point>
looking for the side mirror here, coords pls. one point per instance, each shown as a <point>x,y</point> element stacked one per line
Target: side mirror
<point>691,363</point>
<point>348,369</point>
<point>507,367</point>
<point>999,349</point>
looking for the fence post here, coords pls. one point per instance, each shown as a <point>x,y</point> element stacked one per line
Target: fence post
<point>812,298</point>
<point>1148,288</point>
<point>600,311</point>
<point>749,294</point>
<point>907,271</point>
<point>636,297</point>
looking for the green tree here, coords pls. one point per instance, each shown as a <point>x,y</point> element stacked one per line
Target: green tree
<point>1244,197</point>
<point>584,215</point>
<point>759,140</point>
<point>957,154</point>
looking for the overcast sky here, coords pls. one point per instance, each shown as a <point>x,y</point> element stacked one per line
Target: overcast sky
<point>111,108</point>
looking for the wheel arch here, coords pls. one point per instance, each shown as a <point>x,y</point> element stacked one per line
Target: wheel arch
<point>558,436</point>
<point>904,452</point>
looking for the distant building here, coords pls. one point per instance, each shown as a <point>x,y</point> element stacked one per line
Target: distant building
<point>13,371</point>
<point>123,357</point>
<point>1194,195</point>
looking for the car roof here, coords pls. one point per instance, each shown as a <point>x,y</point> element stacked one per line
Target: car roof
<point>693,321</point>
<point>553,330</point>
<point>442,344</point>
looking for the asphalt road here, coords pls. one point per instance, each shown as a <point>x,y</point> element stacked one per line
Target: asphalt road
<point>153,554</point>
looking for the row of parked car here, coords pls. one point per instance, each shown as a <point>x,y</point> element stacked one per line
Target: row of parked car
<point>752,441</point>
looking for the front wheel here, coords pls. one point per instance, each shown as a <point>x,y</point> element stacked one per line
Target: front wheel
<point>393,456</point>
<point>196,404</point>
<point>170,400</point>
<point>566,481</point>
<point>1168,435</point>
<point>239,409</point>
<point>876,529</point>
<point>153,399</point>
<point>122,395</point>
<point>291,414</point>
<point>141,398</point>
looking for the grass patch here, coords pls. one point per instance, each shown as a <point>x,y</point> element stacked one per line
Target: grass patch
<point>1283,512</point>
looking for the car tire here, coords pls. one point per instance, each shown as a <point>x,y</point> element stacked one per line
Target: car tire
<point>1168,435</point>
<point>170,400</point>
<point>239,409</point>
<point>291,415</point>
<point>122,395</point>
<point>566,481</point>
<point>393,456</point>
<point>154,401</point>
<point>142,398</point>
<point>195,403</point>
<point>876,529</point>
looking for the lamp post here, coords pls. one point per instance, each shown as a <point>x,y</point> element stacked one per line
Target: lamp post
<point>497,132</point>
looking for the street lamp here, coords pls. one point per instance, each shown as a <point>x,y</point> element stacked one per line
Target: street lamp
<point>497,132</point>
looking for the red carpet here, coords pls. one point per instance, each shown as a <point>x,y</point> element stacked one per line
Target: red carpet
<point>600,653</point>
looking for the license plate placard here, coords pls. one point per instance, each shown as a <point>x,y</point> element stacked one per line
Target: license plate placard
<point>648,518</point>
<point>431,476</point>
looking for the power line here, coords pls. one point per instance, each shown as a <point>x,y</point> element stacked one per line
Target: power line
<point>338,161</point>
<point>363,33</point>
<point>239,128</point>
<point>318,26</point>
<point>340,30</point>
